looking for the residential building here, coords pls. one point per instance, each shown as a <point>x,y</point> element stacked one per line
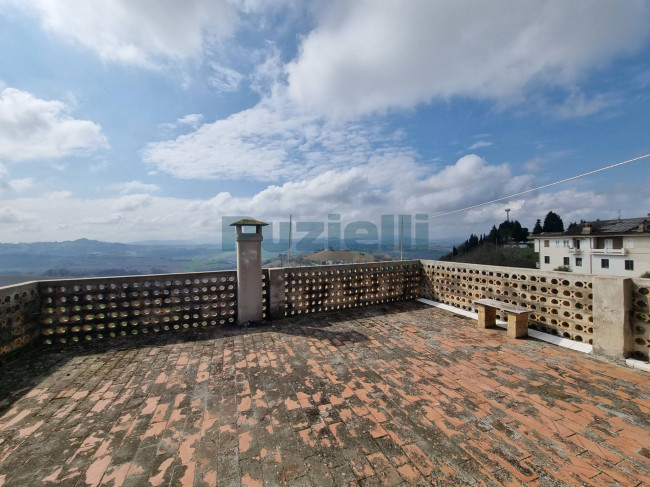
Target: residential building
<point>605,247</point>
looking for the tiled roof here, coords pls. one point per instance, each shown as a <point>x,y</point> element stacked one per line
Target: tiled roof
<point>391,395</point>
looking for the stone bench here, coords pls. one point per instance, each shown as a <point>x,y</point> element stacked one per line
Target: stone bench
<point>517,316</point>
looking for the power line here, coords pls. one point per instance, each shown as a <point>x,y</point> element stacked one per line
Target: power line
<point>540,187</point>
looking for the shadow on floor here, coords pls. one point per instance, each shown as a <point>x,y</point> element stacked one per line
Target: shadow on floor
<point>27,370</point>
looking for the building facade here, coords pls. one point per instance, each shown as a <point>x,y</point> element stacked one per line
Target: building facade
<point>604,247</point>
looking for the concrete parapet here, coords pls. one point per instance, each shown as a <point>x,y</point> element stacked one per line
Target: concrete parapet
<point>613,335</point>
<point>276,293</point>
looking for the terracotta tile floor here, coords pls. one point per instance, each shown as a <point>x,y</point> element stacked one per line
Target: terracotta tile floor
<point>394,395</point>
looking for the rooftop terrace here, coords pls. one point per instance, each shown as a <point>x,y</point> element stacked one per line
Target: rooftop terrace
<point>390,394</point>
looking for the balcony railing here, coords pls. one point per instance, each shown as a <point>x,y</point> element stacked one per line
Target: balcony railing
<point>609,251</point>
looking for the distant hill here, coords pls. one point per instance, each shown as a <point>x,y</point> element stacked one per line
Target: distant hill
<point>496,248</point>
<point>83,257</point>
<point>327,256</point>
<point>86,258</point>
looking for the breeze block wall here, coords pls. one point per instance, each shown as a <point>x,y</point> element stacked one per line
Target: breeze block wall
<point>19,318</point>
<point>640,319</point>
<point>333,287</point>
<point>562,302</point>
<point>74,310</point>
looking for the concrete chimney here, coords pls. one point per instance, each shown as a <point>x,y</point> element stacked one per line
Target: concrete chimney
<point>249,270</point>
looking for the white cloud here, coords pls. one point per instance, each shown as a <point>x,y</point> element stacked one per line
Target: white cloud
<point>577,104</point>
<point>9,215</point>
<point>269,73</point>
<point>21,184</point>
<point>131,187</point>
<point>368,56</point>
<point>480,144</point>
<point>132,202</point>
<point>269,142</point>
<point>3,170</point>
<point>192,119</point>
<point>359,193</point>
<point>223,78</point>
<point>371,55</point>
<point>58,195</point>
<point>146,33</point>
<point>31,128</point>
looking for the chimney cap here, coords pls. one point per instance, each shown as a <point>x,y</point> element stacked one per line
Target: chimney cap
<point>249,222</point>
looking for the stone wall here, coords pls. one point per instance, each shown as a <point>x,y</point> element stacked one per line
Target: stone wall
<point>80,310</point>
<point>562,301</point>
<point>74,310</point>
<point>641,318</point>
<point>332,287</point>
<point>19,316</point>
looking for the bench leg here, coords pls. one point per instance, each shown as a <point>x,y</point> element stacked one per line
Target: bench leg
<point>487,316</point>
<point>517,325</point>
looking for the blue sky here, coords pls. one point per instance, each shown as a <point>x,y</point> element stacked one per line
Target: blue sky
<point>128,121</point>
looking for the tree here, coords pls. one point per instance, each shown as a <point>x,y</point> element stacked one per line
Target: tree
<point>553,223</point>
<point>538,227</point>
<point>519,234</point>
<point>494,236</point>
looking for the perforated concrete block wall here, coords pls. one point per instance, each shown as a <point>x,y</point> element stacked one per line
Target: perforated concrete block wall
<point>19,327</point>
<point>562,302</point>
<point>325,288</point>
<point>641,318</point>
<point>89,309</point>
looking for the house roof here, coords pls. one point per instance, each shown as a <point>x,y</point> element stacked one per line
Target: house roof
<point>604,227</point>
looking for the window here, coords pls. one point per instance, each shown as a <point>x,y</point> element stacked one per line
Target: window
<point>578,261</point>
<point>566,261</point>
<point>547,243</point>
<point>565,243</point>
<point>629,265</point>
<point>577,244</point>
<point>604,263</point>
<point>547,259</point>
<point>629,243</point>
<point>557,244</point>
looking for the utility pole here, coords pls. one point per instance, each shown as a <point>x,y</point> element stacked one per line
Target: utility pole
<point>289,251</point>
<point>401,238</point>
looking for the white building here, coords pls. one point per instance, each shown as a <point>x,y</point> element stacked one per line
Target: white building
<point>607,247</point>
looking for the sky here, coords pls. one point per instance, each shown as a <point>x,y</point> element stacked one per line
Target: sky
<point>125,120</point>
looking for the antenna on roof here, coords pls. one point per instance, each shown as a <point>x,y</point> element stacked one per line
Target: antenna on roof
<point>619,214</point>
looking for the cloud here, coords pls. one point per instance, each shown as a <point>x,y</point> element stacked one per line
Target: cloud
<point>9,215</point>
<point>21,184</point>
<point>369,56</point>
<point>132,202</point>
<point>372,55</point>
<point>192,119</point>
<point>577,104</point>
<point>266,143</point>
<point>480,144</point>
<point>224,79</point>
<point>357,193</point>
<point>31,128</point>
<point>131,187</point>
<point>145,33</point>
<point>58,195</point>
